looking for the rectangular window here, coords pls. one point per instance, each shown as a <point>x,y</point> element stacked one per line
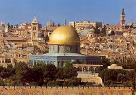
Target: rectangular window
<point>7,60</point>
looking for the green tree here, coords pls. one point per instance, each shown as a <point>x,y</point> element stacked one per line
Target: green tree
<point>105,62</point>
<point>11,70</point>
<point>69,71</point>
<point>20,69</point>
<point>60,73</point>
<point>50,72</point>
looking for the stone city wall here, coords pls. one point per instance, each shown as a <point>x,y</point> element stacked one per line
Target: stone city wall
<point>22,90</point>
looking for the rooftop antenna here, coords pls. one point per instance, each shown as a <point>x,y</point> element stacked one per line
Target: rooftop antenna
<point>65,22</point>
<point>74,24</point>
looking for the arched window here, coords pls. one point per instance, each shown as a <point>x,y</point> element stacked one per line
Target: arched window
<point>34,28</point>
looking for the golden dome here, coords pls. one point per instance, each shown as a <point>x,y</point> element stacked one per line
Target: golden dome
<point>64,35</point>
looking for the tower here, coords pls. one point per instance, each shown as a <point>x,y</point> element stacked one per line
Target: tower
<point>122,19</point>
<point>34,29</point>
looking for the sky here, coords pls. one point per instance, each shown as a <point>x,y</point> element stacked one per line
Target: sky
<point>107,11</point>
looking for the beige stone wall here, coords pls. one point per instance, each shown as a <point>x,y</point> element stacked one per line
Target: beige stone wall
<point>64,91</point>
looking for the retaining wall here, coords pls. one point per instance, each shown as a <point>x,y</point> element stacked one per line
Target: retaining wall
<point>22,90</point>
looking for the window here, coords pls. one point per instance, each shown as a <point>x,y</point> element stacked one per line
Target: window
<point>2,61</point>
<point>7,60</point>
<point>34,28</point>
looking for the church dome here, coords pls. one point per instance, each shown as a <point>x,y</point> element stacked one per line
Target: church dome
<point>64,35</point>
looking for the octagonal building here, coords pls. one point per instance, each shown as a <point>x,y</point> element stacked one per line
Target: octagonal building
<point>64,46</point>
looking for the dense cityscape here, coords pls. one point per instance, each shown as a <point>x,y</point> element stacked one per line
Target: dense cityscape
<point>72,54</point>
<point>113,41</point>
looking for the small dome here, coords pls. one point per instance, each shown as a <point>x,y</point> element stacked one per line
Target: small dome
<point>35,20</point>
<point>64,35</point>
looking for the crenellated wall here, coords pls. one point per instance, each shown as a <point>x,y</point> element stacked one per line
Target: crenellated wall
<point>22,90</point>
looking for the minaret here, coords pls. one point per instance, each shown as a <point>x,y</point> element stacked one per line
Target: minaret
<point>122,19</point>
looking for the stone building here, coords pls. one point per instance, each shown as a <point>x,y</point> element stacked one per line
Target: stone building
<point>81,25</point>
<point>64,46</point>
<point>6,59</point>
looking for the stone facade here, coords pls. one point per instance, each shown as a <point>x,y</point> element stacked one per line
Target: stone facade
<point>65,91</point>
<point>64,46</point>
<point>64,49</point>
